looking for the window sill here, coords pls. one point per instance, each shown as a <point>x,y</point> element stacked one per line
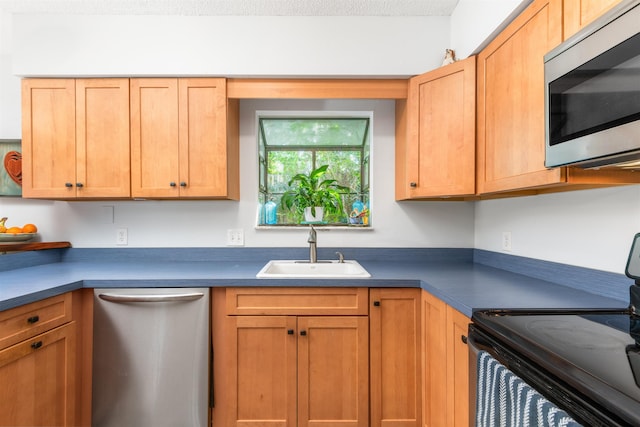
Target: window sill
<point>318,227</point>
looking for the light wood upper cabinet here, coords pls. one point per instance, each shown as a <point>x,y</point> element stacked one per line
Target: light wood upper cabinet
<point>154,138</point>
<point>579,13</point>
<point>435,134</point>
<point>511,102</point>
<point>445,363</point>
<point>48,132</point>
<point>75,138</point>
<point>510,111</point>
<point>394,316</point>
<point>184,139</point>
<point>102,138</point>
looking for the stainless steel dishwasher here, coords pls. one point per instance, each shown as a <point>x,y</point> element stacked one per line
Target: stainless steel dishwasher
<point>151,357</point>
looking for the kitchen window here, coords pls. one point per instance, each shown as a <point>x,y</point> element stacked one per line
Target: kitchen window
<point>290,144</point>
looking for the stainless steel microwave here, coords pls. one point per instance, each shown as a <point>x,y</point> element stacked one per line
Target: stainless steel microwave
<point>592,94</point>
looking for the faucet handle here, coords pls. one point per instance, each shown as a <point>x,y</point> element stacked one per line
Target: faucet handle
<point>340,257</point>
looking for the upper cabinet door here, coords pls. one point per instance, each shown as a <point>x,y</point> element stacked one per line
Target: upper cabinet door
<point>48,138</point>
<point>203,137</point>
<point>184,139</point>
<point>510,136</point>
<point>436,153</point>
<point>102,138</point>
<point>154,138</point>
<point>579,13</point>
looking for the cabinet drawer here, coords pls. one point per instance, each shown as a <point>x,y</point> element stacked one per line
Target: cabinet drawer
<point>23,322</point>
<point>298,301</point>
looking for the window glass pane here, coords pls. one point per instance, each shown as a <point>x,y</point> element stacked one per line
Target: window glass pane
<point>283,165</point>
<point>317,132</point>
<point>344,167</point>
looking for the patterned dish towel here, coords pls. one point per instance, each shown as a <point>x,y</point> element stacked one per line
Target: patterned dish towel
<point>504,400</point>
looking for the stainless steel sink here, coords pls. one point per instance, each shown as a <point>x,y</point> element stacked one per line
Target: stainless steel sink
<point>305,269</point>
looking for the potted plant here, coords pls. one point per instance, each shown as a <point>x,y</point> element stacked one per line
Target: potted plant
<point>312,196</point>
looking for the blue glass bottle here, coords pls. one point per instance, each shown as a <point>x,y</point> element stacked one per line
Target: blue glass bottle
<point>270,212</point>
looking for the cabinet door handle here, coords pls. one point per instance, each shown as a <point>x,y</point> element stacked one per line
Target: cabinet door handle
<point>183,184</point>
<point>33,319</point>
<point>290,331</point>
<point>79,184</point>
<point>376,303</point>
<point>303,333</point>
<point>413,184</point>
<point>36,345</point>
<point>68,184</point>
<point>463,338</point>
<point>172,184</point>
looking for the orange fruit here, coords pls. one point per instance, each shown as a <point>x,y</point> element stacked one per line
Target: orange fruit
<point>29,228</point>
<point>14,230</point>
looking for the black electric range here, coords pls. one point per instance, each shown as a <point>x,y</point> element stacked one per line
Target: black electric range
<point>586,362</point>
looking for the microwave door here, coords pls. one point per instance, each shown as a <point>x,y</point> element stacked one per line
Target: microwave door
<point>592,96</point>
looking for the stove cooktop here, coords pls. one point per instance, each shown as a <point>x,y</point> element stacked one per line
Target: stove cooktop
<point>596,353</point>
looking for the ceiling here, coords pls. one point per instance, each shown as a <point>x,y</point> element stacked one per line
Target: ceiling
<point>235,7</point>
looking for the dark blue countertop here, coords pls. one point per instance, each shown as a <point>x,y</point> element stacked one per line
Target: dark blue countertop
<point>466,279</point>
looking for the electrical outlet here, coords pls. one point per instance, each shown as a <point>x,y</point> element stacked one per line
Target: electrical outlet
<point>121,237</point>
<point>506,240</point>
<point>235,237</point>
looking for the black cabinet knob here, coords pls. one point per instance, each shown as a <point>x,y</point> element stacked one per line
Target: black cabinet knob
<point>183,184</point>
<point>33,319</point>
<point>413,185</point>
<point>68,184</point>
<point>463,338</point>
<point>36,345</point>
<point>172,184</point>
<point>79,185</point>
<point>376,303</point>
<point>290,331</point>
<point>303,333</point>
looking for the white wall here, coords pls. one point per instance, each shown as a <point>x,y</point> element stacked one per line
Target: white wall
<point>475,22</point>
<point>9,84</point>
<point>96,45</point>
<point>591,228</point>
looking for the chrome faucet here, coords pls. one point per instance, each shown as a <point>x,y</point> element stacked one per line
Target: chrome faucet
<point>312,240</point>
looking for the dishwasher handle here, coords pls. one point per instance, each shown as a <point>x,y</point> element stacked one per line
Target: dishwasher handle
<point>191,296</point>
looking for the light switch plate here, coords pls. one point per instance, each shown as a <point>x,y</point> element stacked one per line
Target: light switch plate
<point>235,237</point>
<point>122,238</point>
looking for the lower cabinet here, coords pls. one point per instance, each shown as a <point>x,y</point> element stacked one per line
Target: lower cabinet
<point>394,317</point>
<point>446,364</point>
<point>288,357</point>
<point>41,366</point>
<point>38,380</point>
<point>294,369</point>
<point>300,371</point>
